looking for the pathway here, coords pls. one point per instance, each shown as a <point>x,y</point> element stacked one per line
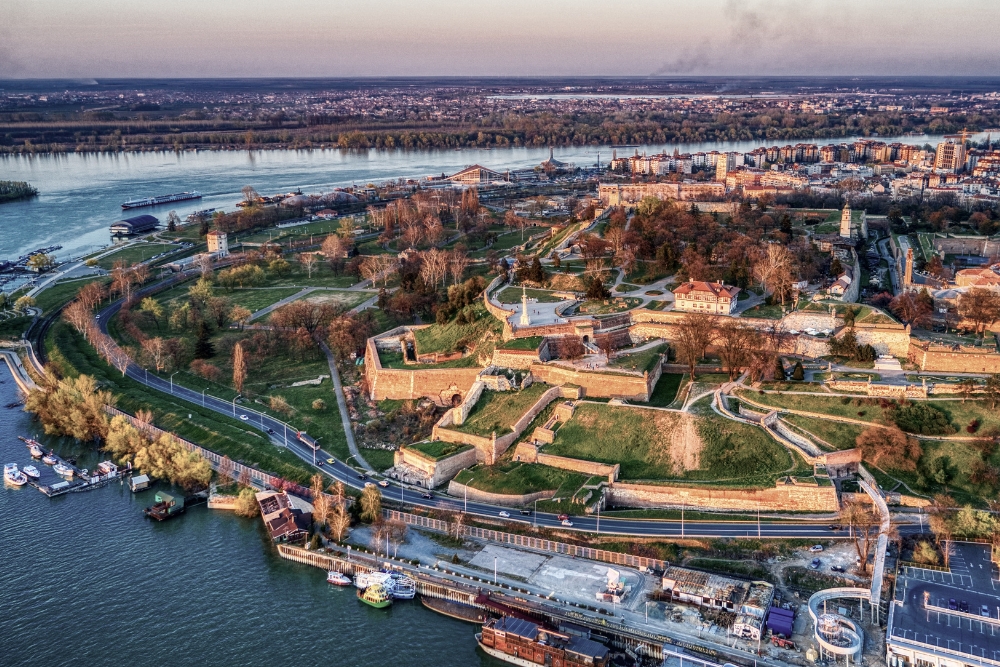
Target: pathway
<point>305,291</point>
<point>345,417</point>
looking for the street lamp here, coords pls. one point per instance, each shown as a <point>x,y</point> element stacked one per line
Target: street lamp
<point>598,517</point>
<point>172,381</point>
<point>466,487</point>
<point>494,570</point>
<point>203,396</point>
<point>234,404</point>
<point>534,515</point>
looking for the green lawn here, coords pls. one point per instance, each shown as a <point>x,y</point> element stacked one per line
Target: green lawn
<point>531,343</point>
<point>627,287</point>
<point>612,305</point>
<point>666,389</point>
<point>322,276</point>
<point>641,362</point>
<point>135,253</point>
<point>446,338</point>
<point>437,450</point>
<point>12,328</point>
<point>518,478</point>
<point>513,295</point>
<point>498,410</point>
<point>61,293</point>
<point>225,435</point>
<point>338,298</point>
<point>253,299</point>
<point>395,360</point>
<point>838,434</point>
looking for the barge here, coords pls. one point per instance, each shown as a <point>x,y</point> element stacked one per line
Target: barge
<point>162,199</point>
<point>528,644</point>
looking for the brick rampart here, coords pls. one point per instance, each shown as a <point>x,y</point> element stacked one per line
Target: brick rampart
<point>962,360</point>
<point>515,358</point>
<point>599,385</point>
<point>780,498</point>
<point>437,472</point>
<point>579,465</point>
<point>460,490</point>
<point>438,385</point>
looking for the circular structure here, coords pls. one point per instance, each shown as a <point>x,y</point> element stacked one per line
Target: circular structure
<point>837,635</point>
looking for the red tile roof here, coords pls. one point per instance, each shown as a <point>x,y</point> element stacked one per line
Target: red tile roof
<point>716,289</point>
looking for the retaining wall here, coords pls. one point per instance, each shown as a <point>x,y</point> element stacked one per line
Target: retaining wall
<point>780,498</point>
<point>942,358</point>
<point>600,385</point>
<point>460,490</point>
<point>515,358</point>
<point>437,472</point>
<point>436,384</point>
<point>578,465</point>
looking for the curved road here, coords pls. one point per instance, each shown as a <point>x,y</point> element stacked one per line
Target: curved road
<point>339,470</point>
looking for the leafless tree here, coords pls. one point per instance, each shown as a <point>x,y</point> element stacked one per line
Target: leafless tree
<point>458,262</point>
<point>694,334</point>
<point>736,341</point>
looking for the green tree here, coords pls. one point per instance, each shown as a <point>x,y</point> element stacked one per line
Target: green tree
<point>203,348</point>
<point>41,262</point>
<point>153,308</point>
<point>798,373</point>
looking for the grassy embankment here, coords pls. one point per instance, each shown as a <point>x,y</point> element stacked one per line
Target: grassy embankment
<point>497,411</point>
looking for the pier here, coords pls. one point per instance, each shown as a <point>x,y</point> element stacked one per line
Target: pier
<point>52,484</point>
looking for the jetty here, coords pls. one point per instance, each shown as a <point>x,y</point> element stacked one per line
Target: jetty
<point>52,484</point>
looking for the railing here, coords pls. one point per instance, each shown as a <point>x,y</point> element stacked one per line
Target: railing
<point>529,542</point>
<point>923,566</point>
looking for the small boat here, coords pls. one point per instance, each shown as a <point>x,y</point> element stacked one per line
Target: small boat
<point>36,451</point>
<point>403,587</point>
<point>12,475</point>
<point>63,469</point>
<point>376,596</point>
<point>31,471</point>
<point>50,459</point>
<point>337,579</point>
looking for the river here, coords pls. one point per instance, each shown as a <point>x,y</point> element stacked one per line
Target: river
<point>81,193</point>
<point>88,581</point>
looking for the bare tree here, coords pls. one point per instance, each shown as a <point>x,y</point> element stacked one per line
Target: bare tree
<point>458,262</point>
<point>863,521</point>
<point>736,340</point>
<point>378,267</point>
<point>694,334</point>
<point>308,261</point>
<point>434,267</point>
<point>239,367</point>
<point>775,270</point>
<point>340,521</point>
<point>250,195</point>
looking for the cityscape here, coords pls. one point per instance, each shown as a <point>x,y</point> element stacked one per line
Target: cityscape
<point>536,359</point>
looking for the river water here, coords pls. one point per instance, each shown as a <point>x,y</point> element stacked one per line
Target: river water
<point>81,193</point>
<point>87,580</point>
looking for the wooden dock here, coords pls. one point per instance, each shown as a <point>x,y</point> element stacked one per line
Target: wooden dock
<point>52,484</point>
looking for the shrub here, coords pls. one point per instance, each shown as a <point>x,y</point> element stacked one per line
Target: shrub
<point>925,553</point>
<point>973,426</point>
<point>319,404</point>
<point>798,373</point>
<point>922,418</point>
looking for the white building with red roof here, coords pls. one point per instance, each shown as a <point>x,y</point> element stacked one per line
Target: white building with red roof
<point>703,297</point>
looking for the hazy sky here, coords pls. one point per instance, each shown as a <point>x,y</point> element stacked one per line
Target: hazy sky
<point>167,38</point>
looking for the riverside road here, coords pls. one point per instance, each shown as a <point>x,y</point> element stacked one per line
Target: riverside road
<point>340,471</point>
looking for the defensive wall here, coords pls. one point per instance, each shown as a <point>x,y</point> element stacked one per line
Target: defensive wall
<point>981,246</point>
<point>952,359</point>
<point>507,500</point>
<point>528,453</point>
<point>438,471</point>
<point>522,359</point>
<point>784,497</point>
<point>599,384</point>
<point>439,385</point>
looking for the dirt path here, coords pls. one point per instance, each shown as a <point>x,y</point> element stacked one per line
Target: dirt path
<point>685,444</point>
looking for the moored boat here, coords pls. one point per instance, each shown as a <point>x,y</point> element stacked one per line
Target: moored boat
<point>403,587</point>
<point>528,644</point>
<point>50,459</point>
<point>337,578</point>
<point>376,596</point>
<point>11,475</point>
<point>31,471</point>
<point>63,469</point>
<point>36,451</point>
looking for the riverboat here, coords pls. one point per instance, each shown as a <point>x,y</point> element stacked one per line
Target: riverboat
<point>403,587</point>
<point>337,578</point>
<point>11,475</point>
<point>376,596</point>
<point>162,199</point>
<point>31,472</point>
<point>524,643</point>
<point>165,507</point>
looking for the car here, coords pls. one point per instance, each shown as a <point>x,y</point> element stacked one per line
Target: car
<point>526,512</point>
<point>814,565</point>
<point>320,463</point>
<point>505,514</point>
<point>567,522</point>
<point>836,527</point>
<point>984,611</point>
<point>244,418</point>
<point>270,431</point>
<point>331,460</point>
<point>836,568</point>
<point>361,475</point>
<point>952,604</point>
<point>383,483</point>
<point>369,484</point>
<point>426,496</point>
<point>816,548</point>
<point>963,606</point>
<point>563,517</point>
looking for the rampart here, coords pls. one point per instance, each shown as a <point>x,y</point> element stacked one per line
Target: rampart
<point>957,359</point>
<point>528,453</point>
<point>967,245</point>
<point>436,472</point>
<point>438,384</point>
<point>462,491</point>
<point>516,358</point>
<point>783,497</point>
<point>598,384</point>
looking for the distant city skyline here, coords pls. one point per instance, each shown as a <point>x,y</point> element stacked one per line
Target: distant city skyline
<point>135,38</point>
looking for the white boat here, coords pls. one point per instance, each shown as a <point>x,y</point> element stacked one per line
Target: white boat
<point>337,578</point>
<point>403,587</point>
<point>31,471</point>
<point>36,451</point>
<point>63,469</point>
<point>12,475</point>
<point>363,581</point>
<point>50,459</point>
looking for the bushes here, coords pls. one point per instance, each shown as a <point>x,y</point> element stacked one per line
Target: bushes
<point>921,418</point>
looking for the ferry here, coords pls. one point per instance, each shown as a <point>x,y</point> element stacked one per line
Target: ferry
<point>524,643</point>
<point>63,469</point>
<point>376,596</point>
<point>31,471</point>
<point>12,475</point>
<point>162,199</point>
<point>337,579</point>
<point>403,587</point>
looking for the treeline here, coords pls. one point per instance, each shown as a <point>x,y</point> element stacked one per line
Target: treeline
<point>498,130</point>
<point>14,190</point>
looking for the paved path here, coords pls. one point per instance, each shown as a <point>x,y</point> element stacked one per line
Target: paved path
<point>305,291</point>
<point>345,417</point>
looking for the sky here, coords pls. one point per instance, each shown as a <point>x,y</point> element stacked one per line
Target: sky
<point>332,38</point>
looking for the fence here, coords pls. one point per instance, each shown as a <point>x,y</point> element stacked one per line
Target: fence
<point>528,542</point>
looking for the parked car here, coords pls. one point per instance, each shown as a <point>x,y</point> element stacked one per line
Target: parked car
<point>952,604</point>
<point>963,606</point>
<point>984,611</point>
<point>836,568</point>
<point>567,522</point>
<point>504,513</point>
<point>816,548</point>
<point>563,517</point>
<point>814,565</point>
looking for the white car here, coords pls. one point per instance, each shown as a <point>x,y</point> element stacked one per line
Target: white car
<point>383,483</point>
<point>505,514</point>
<point>816,548</point>
<point>244,418</point>
<point>567,522</point>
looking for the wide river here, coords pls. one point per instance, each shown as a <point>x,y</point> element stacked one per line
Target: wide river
<point>81,194</point>
<point>88,581</point>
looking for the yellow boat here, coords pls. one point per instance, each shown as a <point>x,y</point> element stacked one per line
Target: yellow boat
<point>375,595</point>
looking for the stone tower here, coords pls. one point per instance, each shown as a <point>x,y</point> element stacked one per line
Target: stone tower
<point>908,271</point>
<point>845,221</point>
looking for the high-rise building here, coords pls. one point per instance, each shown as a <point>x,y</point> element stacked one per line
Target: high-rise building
<point>950,156</point>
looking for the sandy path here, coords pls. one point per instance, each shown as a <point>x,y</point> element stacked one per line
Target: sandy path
<point>685,444</point>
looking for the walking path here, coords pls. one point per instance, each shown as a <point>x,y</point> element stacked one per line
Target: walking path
<point>345,417</point>
<point>305,291</point>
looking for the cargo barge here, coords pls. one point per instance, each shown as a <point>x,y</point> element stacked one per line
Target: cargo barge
<point>163,199</point>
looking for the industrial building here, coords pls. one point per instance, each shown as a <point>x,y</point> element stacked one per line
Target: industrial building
<point>750,600</point>
<point>140,224</point>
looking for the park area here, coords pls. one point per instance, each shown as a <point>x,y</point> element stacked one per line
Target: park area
<point>497,411</point>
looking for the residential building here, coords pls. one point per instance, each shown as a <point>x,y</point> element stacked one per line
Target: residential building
<point>950,156</point>
<point>705,297</point>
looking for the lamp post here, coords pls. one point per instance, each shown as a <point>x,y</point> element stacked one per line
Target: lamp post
<point>172,381</point>
<point>494,570</point>
<point>534,515</point>
<point>203,396</point>
<point>598,517</point>
<point>234,404</point>
<point>466,487</point>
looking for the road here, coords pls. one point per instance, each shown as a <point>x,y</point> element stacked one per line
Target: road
<point>283,435</point>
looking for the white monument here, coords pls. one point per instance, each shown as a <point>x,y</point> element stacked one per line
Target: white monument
<point>525,319</point>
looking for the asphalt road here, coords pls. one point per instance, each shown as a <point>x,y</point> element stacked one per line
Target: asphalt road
<point>339,470</point>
